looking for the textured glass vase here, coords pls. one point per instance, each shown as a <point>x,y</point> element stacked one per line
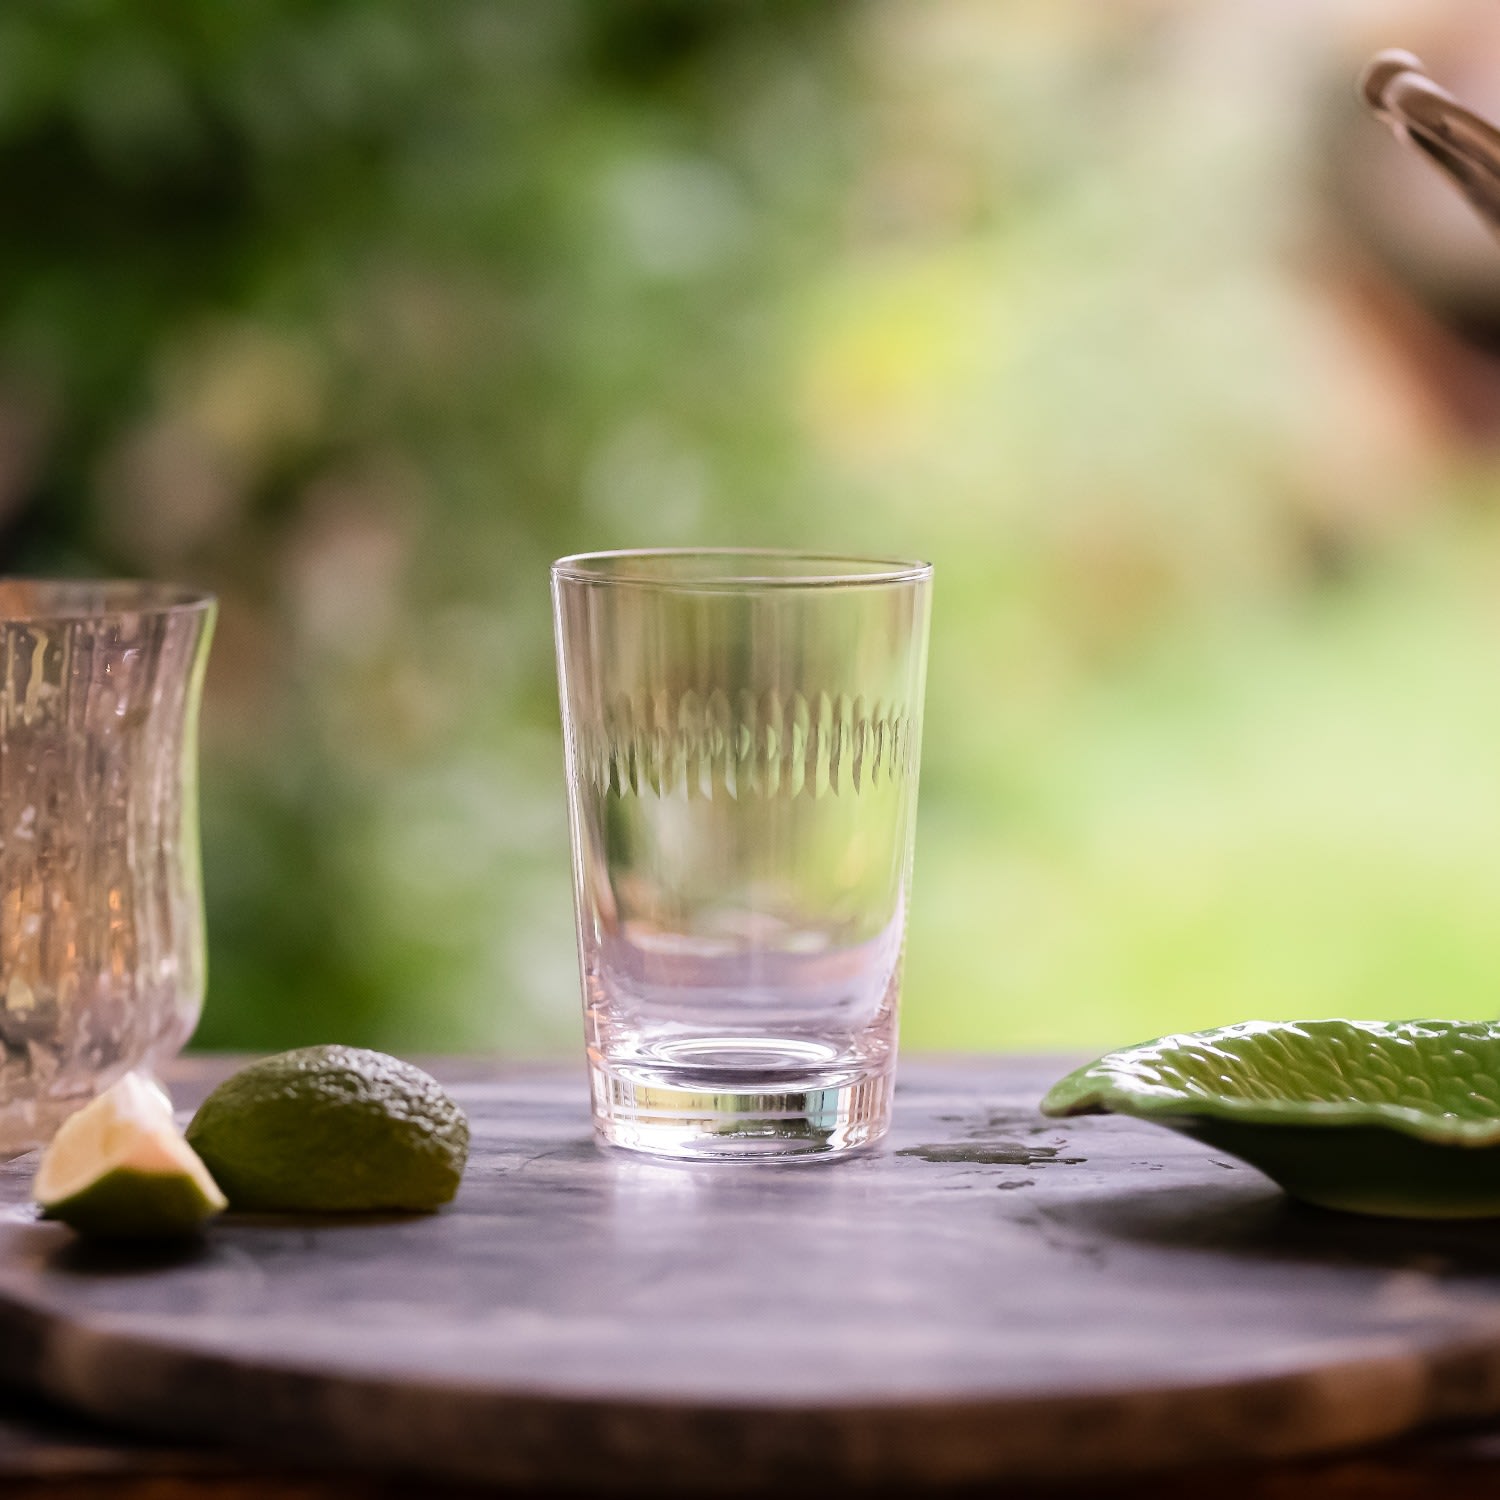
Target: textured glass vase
<point>101,907</point>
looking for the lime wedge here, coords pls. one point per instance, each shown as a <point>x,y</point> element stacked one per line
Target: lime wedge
<point>332,1130</point>
<point>120,1169</point>
<point>1399,1118</point>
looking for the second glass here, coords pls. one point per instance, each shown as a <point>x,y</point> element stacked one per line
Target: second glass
<point>743,732</point>
<point>101,906</point>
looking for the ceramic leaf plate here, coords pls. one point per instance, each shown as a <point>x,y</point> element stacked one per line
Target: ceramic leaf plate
<point>1399,1118</point>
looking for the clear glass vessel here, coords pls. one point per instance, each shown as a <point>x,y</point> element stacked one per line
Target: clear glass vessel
<point>101,910</point>
<point>742,733</point>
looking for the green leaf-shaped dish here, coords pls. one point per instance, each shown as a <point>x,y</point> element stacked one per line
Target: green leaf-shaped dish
<point>1399,1118</point>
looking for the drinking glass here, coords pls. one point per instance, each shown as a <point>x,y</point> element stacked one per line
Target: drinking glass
<point>742,735</point>
<point>101,910</point>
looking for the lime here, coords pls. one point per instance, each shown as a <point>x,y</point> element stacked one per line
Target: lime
<point>120,1169</point>
<point>332,1130</point>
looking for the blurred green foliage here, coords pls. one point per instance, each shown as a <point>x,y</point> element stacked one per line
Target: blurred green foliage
<point>359,313</point>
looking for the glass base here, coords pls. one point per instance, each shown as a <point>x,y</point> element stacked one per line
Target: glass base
<point>28,1124</point>
<point>795,1119</point>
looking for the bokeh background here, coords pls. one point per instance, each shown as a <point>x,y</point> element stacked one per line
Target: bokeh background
<point>1175,364</point>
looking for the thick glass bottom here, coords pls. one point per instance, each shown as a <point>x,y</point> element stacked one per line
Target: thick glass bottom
<point>747,1116</point>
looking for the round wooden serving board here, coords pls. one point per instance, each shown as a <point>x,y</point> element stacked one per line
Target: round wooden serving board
<point>990,1295</point>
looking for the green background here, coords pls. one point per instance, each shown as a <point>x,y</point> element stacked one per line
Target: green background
<point>359,313</point>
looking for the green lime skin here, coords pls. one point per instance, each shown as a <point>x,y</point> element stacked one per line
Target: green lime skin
<point>127,1204</point>
<point>332,1130</point>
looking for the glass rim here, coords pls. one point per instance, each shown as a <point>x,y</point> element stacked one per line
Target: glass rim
<point>25,600</point>
<point>705,568</point>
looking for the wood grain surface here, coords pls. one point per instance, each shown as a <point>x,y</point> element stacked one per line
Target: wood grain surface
<point>990,1296</point>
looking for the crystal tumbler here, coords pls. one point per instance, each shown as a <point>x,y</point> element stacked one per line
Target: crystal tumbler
<point>101,910</point>
<point>742,733</point>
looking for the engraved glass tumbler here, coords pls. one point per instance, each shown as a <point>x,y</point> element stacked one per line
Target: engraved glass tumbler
<point>101,909</point>
<point>742,733</point>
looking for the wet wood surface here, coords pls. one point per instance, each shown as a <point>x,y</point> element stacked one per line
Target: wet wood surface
<point>990,1298</point>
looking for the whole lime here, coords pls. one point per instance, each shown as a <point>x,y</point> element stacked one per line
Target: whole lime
<point>332,1130</point>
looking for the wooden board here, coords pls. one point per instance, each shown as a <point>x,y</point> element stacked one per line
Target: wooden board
<point>991,1295</point>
